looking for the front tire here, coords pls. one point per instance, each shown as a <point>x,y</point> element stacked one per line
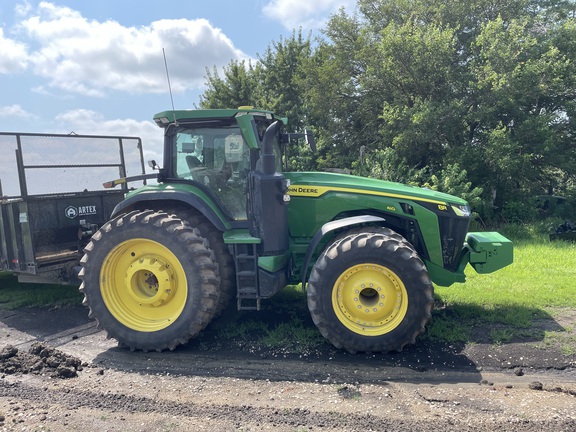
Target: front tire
<point>149,280</point>
<point>370,292</point>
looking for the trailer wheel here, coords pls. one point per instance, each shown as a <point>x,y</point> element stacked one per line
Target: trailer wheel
<point>370,292</point>
<point>149,280</point>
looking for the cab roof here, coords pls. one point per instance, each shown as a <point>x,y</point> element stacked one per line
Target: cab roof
<point>164,118</point>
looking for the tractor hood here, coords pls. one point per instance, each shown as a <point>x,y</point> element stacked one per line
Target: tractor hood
<point>316,184</point>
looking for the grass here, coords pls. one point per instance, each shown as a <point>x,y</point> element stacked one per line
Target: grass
<point>14,295</point>
<point>537,285</point>
<point>541,276</point>
<point>283,325</point>
<point>565,341</point>
<point>303,336</point>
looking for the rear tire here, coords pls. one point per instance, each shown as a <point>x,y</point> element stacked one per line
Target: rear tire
<point>370,292</point>
<point>149,280</point>
<point>226,266</point>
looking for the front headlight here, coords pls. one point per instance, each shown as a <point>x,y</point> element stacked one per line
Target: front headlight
<point>461,210</point>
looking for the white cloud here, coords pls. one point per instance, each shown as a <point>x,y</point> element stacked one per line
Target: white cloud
<point>93,58</point>
<point>303,13</point>
<point>22,9</point>
<point>14,57</point>
<point>88,122</point>
<point>14,111</point>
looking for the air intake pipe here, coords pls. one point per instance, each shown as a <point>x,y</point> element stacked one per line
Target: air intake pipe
<point>269,213</point>
<point>268,157</point>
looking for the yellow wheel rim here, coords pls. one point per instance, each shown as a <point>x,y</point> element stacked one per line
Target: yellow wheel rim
<point>370,299</point>
<point>143,285</point>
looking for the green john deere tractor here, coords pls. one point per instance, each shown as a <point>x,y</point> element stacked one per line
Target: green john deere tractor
<point>224,222</point>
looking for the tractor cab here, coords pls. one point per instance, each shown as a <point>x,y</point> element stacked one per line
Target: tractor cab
<point>216,152</point>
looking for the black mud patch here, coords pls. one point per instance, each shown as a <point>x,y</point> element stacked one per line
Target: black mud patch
<point>40,359</point>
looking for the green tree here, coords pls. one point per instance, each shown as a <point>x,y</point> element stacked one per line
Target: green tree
<point>487,86</point>
<point>453,180</point>
<point>274,82</point>
<point>282,71</point>
<point>523,124</point>
<point>479,92</point>
<point>239,87</point>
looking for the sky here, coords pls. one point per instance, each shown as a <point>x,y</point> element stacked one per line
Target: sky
<point>97,67</point>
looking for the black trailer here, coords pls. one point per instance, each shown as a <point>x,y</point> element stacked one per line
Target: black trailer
<point>52,199</point>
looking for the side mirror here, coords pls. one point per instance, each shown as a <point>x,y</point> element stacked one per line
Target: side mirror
<point>152,164</point>
<point>310,140</point>
<point>307,135</point>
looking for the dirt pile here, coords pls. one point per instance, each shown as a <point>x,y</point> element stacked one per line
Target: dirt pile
<point>40,359</point>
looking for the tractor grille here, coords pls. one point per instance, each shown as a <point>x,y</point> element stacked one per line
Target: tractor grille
<point>452,235</point>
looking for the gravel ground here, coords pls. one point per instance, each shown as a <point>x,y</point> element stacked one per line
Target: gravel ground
<point>59,373</point>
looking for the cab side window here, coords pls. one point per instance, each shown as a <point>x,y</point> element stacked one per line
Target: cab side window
<point>220,160</point>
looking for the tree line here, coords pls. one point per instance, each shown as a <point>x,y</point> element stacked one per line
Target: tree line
<point>472,97</point>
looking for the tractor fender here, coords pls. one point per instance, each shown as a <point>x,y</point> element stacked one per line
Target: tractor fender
<point>192,200</point>
<point>329,227</point>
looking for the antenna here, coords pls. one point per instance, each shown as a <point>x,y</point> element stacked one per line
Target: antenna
<point>169,86</point>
